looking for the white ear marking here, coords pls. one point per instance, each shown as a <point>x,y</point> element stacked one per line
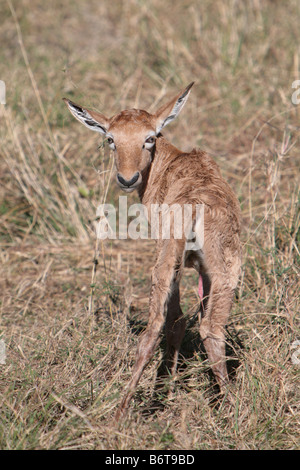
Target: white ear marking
<point>169,112</point>
<point>83,116</point>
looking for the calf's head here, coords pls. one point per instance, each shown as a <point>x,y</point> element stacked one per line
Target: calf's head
<point>131,134</point>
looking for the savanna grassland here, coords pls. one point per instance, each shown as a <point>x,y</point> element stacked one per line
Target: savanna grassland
<point>70,325</point>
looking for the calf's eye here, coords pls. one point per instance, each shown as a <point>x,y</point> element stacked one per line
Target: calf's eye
<point>149,142</point>
<point>111,143</point>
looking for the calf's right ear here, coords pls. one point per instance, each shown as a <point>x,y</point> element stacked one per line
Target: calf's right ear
<point>94,121</point>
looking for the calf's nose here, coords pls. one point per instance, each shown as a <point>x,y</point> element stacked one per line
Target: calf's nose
<point>130,182</point>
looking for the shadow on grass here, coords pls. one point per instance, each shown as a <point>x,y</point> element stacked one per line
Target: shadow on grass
<point>192,346</point>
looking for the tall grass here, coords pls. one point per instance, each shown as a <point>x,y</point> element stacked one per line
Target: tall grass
<point>70,325</point>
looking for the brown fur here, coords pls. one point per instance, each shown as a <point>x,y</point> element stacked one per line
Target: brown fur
<point>167,175</point>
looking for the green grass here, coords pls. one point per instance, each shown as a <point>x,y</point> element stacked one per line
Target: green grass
<point>69,357</point>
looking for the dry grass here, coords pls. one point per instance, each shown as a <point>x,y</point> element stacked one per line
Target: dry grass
<point>68,359</point>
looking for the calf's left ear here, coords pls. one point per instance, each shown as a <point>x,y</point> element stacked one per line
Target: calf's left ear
<point>166,113</point>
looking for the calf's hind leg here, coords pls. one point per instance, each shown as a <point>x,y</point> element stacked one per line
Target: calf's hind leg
<point>212,328</point>
<point>162,279</point>
<point>175,328</point>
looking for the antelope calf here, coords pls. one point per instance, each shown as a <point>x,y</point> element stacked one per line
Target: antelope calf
<point>161,173</point>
